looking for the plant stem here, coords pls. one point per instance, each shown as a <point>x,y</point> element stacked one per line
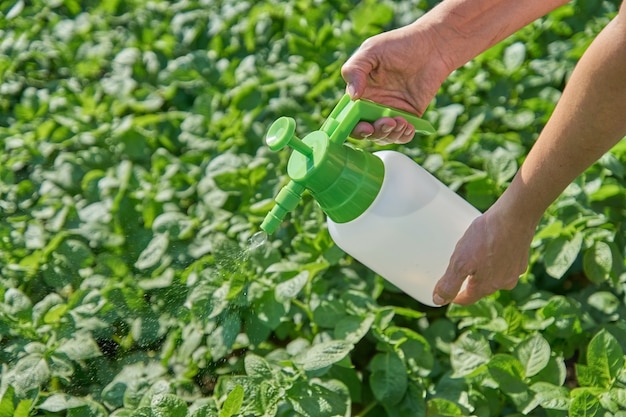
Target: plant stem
<point>367,409</point>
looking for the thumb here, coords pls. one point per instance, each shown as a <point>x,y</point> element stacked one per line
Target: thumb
<point>355,72</point>
<point>449,285</point>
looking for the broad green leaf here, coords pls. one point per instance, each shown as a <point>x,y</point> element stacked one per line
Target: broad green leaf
<point>222,339</point>
<point>320,399</point>
<point>353,328</point>
<point>584,404</point>
<point>289,289</point>
<point>514,56</point>
<point>501,166</point>
<point>604,301</point>
<point>91,409</point>
<point>154,252</point>
<point>415,348</point>
<point>468,353</point>
<point>80,347</point>
<point>389,379</point>
<point>168,405</point>
<point>447,118</point>
<point>143,412</point>
<point>257,367</point>
<point>30,373</point>
<point>551,396</point>
<point>561,253</point>
<point>619,396</point>
<point>534,354</point>
<point>7,406</point>
<point>413,403</point>
<point>323,354</point>
<point>605,358</point>
<point>17,303</point>
<point>176,225</point>
<point>23,408</point>
<point>61,402</point>
<point>233,402</point>
<point>555,372</point>
<point>443,408</point>
<point>598,262</point>
<point>508,372</point>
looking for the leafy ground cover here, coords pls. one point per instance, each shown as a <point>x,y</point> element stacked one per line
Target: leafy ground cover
<point>133,174</point>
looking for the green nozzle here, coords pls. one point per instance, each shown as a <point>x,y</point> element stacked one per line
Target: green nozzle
<point>286,200</point>
<point>282,133</point>
<point>343,180</point>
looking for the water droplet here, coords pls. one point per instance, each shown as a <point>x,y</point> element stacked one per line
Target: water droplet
<point>257,240</point>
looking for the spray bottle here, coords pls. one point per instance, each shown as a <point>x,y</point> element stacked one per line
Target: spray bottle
<point>383,209</point>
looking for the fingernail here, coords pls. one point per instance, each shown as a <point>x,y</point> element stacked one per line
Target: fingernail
<point>351,90</point>
<point>437,299</point>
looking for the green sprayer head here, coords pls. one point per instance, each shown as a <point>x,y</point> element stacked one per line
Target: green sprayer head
<point>342,179</point>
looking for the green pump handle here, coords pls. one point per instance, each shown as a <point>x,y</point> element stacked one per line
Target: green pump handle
<point>335,129</point>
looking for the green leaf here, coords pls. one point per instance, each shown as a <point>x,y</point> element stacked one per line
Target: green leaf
<point>353,328</point>
<point>440,407</point>
<point>605,359</point>
<point>154,252</point>
<point>61,402</point>
<point>561,253</point>
<point>534,354</point>
<point>514,56</point>
<point>7,406</point>
<point>468,353</point>
<point>233,402</point>
<point>413,404</point>
<point>605,302</point>
<point>30,372</point>
<point>598,262</point>
<point>501,166</point>
<point>321,398</point>
<point>323,354</point>
<point>80,347</point>
<point>257,367</point>
<point>507,371</point>
<point>551,396</point>
<point>619,396</point>
<point>584,404</point>
<point>388,380</point>
<point>289,289</point>
<point>168,405</point>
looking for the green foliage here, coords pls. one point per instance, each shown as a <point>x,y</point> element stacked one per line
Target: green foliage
<point>133,174</point>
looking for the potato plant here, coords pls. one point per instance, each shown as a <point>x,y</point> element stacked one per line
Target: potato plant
<point>133,174</point>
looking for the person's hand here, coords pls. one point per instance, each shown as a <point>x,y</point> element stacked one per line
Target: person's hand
<point>491,255</point>
<point>402,69</point>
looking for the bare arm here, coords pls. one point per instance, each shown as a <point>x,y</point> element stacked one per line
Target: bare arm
<point>588,120</point>
<point>467,28</point>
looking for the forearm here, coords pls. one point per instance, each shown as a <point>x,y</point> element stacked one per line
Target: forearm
<point>588,120</point>
<point>466,28</point>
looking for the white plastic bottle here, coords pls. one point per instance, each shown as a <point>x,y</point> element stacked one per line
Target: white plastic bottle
<point>409,232</point>
<point>383,209</point>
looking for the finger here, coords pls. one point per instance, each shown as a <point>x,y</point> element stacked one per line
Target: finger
<point>471,291</point>
<point>448,287</point>
<point>362,130</point>
<point>403,132</point>
<point>474,289</point>
<point>383,127</point>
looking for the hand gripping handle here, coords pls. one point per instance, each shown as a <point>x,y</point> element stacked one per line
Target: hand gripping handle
<point>347,113</point>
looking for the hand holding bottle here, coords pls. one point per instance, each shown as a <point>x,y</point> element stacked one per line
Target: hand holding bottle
<point>400,69</point>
